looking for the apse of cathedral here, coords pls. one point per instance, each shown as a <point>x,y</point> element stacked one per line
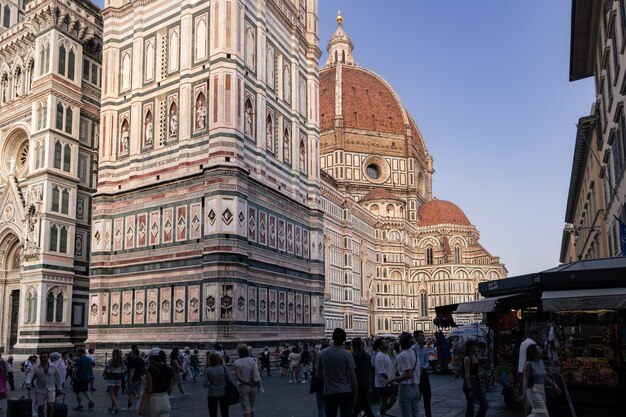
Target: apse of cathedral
<point>187,173</point>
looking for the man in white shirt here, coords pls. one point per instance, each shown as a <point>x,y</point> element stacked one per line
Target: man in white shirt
<point>382,366</point>
<point>531,339</point>
<point>47,382</point>
<point>409,370</point>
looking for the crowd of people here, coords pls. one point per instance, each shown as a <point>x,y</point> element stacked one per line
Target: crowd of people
<point>340,373</point>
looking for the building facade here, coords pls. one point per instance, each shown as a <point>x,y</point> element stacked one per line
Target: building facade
<point>597,49</point>
<point>584,236</point>
<point>50,53</point>
<point>393,252</point>
<point>207,222</point>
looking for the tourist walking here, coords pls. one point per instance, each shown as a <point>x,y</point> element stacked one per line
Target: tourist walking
<point>382,372</point>
<point>92,379</point>
<point>194,362</point>
<point>155,400</point>
<point>424,384</point>
<point>319,382</point>
<point>294,364</point>
<point>136,372</point>
<point>362,363</point>
<point>47,383</point>
<point>471,383</point>
<point>83,367</point>
<point>186,363</point>
<point>178,372</point>
<point>534,382</point>
<point>10,376</point>
<point>409,368</point>
<point>113,373</point>
<point>247,373</point>
<point>265,360</point>
<point>27,366</point>
<point>336,366</point>
<point>215,379</point>
<point>57,361</point>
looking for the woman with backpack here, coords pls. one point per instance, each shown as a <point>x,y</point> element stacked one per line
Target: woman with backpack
<point>113,374</point>
<point>471,383</point>
<point>534,381</point>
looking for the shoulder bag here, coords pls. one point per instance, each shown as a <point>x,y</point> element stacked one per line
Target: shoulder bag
<point>232,392</point>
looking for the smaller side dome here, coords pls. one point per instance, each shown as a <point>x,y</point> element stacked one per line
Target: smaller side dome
<point>436,212</point>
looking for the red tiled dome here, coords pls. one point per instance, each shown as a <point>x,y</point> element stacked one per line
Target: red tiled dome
<point>437,212</point>
<point>368,103</point>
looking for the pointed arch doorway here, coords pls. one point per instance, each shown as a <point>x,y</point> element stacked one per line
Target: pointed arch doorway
<point>11,266</point>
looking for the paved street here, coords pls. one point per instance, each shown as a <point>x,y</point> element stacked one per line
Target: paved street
<point>281,399</point>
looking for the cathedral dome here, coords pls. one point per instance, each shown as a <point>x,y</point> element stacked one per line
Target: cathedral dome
<point>363,103</point>
<point>436,212</point>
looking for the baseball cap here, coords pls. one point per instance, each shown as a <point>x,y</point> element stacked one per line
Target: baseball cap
<point>154,351</point>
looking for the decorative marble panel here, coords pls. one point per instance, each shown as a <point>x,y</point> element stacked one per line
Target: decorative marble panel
<point>142,230</point>
<point>210,302</point>
<point>290,240</point>
<point>179,304</point>
<point>127,307</point>
<point>291,310</point>
<point>272,231</point>
<point>129,235</point>
<point>166,305</point>
<point>168,225</point>
<point>252,224</point>
<point>194,305</point>
<point>307,309</point>
<point>155,227</point>
<point>104,308</point>
<point>273,307</point>
<point>181,223</point>
<point>282,307</point>
<point>262,228</point>
<point>118,239</point>
<point>281,235</point>
<point>152,305</point>
<point>252,304</point>
<point>299,308</point>
<point>94,308</point>
<point>263,305</point>
<point>116,308</point>
<point>305,243</point>
<point>298,240</point>
<point>140,306</point>
<point>195,230</point>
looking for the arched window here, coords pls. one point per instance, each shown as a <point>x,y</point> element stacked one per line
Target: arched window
<point>50,307</point>
<point>44,56</point>
<point>55,199</point>
<point>346,295</point>
<point>42,156</point>
<point>71,58</point>
<point>287,83</point>
<point>250,48</point>
<point>126,71</point>
<point>391,210</point>
<point>374,209</point>
<point>67,158</point>
<point>65,202</point>
<point>31,306</point>
<point>429,256</point>
<point>336,57</point>
<point>457,255</point>
<point>57,154</point>
<point>54,237</point>
<point>201,39</point>
<point>174,50</point>
<point>423,304</point>
<point>271,70</point>
<point>62,57</point>
<point>149,70</point>
<point>58,317</point>
<point>6,21</point>
<point>343,57</point>
<point>59,121</point>
<point>63,241</point>
<point>37,155</point>
<point>68,119</point>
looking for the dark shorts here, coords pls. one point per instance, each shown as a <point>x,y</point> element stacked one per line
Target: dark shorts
<point>80,386</point>
<point>385,392</point>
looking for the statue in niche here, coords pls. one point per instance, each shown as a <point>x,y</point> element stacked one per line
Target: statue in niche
<point>125,141</point>
<point>200,112</point>
<point>249,120</point>
<point>5,89</point>
<point>269,136</point>
<point>32,237</point>
<point>18,84</point>
<point>173,123</point>
<point>149,131</point>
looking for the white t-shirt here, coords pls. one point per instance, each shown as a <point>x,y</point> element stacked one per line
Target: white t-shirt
<point>408,359</point>
<point>382,365</point>
<point>522,353</point>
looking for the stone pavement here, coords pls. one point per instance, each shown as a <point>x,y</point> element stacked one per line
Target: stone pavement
<point>280,399</point>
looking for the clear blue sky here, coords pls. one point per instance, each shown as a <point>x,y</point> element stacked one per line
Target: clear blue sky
<point>487,83</point>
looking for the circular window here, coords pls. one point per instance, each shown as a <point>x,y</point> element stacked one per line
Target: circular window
<point>373,171</point>
<point>15,152</point>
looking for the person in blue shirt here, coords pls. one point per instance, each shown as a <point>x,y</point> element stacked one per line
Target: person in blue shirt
<point>424,384</point>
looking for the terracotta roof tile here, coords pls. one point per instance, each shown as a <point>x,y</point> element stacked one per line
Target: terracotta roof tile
<point>436,212</point>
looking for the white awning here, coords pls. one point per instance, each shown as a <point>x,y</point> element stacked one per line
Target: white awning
<point>581,300</point>
<point>486,305</point>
